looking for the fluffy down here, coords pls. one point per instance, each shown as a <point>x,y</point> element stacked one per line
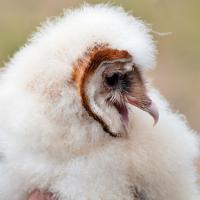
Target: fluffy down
<point>48,141</point>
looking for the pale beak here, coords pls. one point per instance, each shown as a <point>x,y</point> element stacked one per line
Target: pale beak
<point>146,105</point>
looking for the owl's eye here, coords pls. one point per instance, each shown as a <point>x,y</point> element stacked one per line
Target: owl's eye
<point>113,81</point>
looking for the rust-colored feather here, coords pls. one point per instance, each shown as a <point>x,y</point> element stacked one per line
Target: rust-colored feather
<point>86,66</point>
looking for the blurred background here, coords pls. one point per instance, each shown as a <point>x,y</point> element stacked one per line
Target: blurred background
<point>177,75</point>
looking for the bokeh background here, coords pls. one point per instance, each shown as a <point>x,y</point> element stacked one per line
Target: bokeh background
<point>177,75</point>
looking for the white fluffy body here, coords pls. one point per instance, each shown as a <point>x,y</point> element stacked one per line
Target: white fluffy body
<point>47,140</point>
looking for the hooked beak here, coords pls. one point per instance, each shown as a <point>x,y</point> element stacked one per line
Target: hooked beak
<point>146,105</point>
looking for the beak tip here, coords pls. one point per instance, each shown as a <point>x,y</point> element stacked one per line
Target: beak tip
<point>155,121</point>
<point>151,108</point>
<point>153,111</point>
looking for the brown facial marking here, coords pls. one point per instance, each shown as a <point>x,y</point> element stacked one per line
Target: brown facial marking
<point>138,89</point>
<point>85,67</point>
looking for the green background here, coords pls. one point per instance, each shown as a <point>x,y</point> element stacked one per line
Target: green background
<point>178,72</point>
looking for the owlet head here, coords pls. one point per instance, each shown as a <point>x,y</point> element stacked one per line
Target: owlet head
<point>108,81</point>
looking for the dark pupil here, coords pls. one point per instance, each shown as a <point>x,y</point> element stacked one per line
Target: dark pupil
<point>112,80</point>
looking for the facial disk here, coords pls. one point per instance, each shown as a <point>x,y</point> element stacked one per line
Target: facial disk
<point>107,81</point>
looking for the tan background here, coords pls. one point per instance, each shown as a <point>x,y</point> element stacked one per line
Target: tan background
<point>178,71</point>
